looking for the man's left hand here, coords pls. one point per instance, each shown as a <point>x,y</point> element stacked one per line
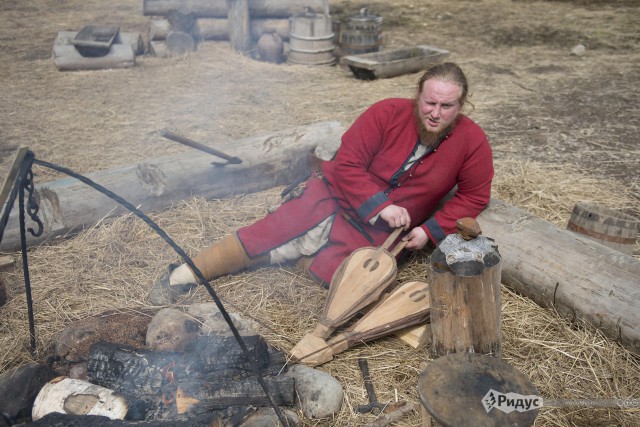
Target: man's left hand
<point>416,238</point>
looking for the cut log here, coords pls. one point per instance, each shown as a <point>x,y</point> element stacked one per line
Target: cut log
<point>464,278</point>
<point>142,371</point>
<point>239,34</point>
<point>559,269</point>
<point>67,58</point>
<point>216,375</point>
<point>158,49</point>
<point>219,8</point>
<point>218,28</point>
<point>179,44</point>
<point>131,38</point>
<point>279,158</point>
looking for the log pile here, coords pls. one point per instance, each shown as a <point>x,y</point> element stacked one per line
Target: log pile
<point>215,378</point>
<point>240,22</point>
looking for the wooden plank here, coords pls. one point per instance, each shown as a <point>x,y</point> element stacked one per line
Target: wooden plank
<point>278,158</point>
<point>239,34</point>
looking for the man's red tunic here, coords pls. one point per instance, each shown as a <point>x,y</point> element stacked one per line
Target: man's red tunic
<point>368,174</point>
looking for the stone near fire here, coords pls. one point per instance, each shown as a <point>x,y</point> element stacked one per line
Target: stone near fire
<point>74,341</point>
<point>172,330</point>
<point>320,394</point>
<point>19,388</point>
<point>214,323</point>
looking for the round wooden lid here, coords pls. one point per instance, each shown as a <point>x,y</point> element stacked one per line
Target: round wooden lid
<point>471,389</point>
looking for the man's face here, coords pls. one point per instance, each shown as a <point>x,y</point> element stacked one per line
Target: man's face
<point>438,105</point>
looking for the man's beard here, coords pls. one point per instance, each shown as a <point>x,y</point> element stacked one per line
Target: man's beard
<point>427,137</point>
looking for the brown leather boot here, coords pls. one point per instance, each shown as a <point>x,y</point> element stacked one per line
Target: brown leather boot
<point>224,257</point>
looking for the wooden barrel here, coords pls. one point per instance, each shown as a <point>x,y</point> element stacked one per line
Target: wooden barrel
<point>362,34</point>
<point>311,39</point>
<point>607,226</point>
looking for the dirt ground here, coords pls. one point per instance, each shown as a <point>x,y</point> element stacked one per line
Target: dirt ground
<point>536,101</point>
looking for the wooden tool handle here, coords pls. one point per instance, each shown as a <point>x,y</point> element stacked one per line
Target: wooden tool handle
<point>399,247</point>
<point>392,238</point>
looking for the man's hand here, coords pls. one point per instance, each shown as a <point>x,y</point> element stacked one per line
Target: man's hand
<point>416,238</point>
<point>396,217</point>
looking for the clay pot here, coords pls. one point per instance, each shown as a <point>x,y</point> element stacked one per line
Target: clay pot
<point>270,46</point>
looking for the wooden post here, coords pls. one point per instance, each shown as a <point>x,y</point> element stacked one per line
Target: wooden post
<point>464,276</point>
<point>239,33</point>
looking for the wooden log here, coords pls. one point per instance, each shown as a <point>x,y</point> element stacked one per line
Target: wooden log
<point>557,268</point>
<point>218,28</point>
<point>158,49</point>
<point>179,44</point>
<point>67,58</point>
<point>196,397</point>
<point>142,371</point>
<point>465,297</point>
<point>279,158</point>
<point>219,8</point>
<point>133,39</point>
<point>239,35</point>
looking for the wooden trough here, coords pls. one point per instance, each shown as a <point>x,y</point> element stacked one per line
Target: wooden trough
<point>392,62</point>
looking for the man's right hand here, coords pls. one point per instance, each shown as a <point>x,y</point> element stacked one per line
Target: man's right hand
<point>396,216</point>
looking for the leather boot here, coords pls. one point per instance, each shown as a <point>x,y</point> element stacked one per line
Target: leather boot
<point>224,257</point>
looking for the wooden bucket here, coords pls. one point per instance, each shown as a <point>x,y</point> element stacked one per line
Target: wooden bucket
<point>362,34</point>
<point>358,282</point>
<point>612,228</point>
<point>311,39</point>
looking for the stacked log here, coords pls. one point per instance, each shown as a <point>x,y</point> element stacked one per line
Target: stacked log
<point>220,8</point>
<point>240,23</point>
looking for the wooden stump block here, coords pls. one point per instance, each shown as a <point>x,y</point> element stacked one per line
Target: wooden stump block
<point>179,44</point>
<point>464,276</point>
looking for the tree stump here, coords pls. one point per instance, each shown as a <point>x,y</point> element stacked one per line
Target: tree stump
<point>464,278</point>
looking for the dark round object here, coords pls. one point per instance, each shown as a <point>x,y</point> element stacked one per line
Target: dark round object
<point>463,389</point>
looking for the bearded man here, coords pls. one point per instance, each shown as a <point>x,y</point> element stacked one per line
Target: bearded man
<point>396,164</point>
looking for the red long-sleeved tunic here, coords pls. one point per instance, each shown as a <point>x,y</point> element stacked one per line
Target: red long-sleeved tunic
<point>367,175</point>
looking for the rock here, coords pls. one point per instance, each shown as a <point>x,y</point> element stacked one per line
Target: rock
<point>214,323</point>
<point>267,417</point>
<point>76,339</point>
<point>19,388</point>
<point>578,50</point>
<point>172,330</point>
<point>320,394</point>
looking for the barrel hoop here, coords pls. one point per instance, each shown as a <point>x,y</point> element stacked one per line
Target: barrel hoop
<point>329,49</point>
<point>601,236</point>
<point>327,37</point>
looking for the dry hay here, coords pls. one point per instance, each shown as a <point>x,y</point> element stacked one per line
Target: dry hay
<point>541,108</point>
<point>111,266</point>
